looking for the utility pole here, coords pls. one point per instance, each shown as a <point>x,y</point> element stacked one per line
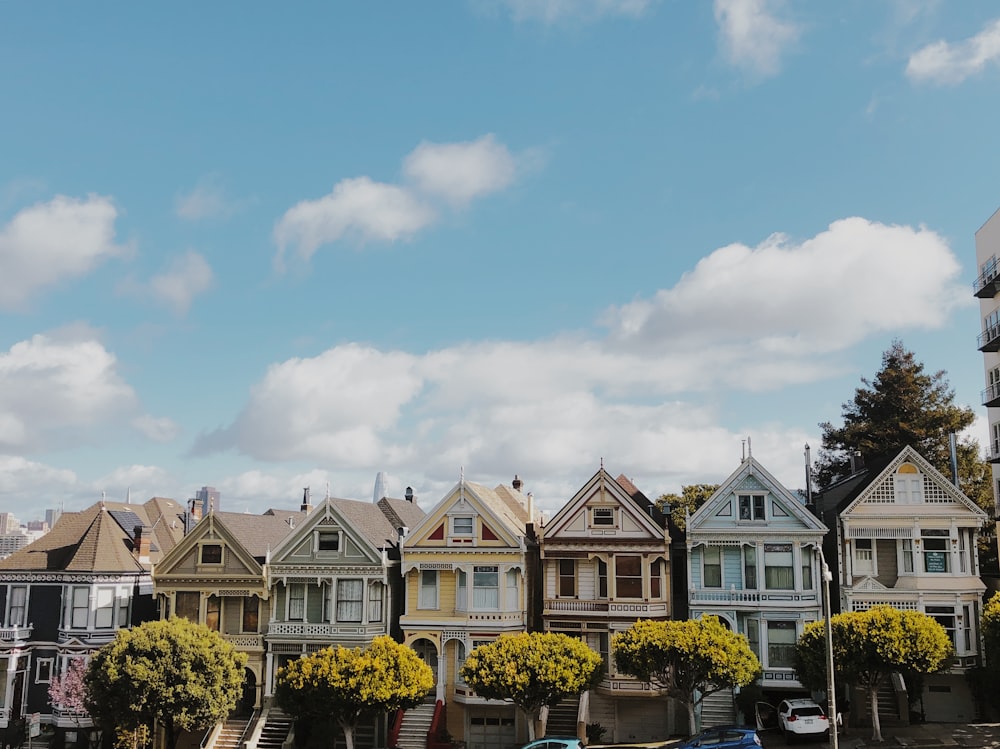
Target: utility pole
<point>831,687</point>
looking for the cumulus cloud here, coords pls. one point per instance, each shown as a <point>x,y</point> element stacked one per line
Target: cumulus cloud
<point>460,172</point>
<point>945,63</point>
<point>362,210</point>
<point>22,477</point>
<point>818,295</point>
<point>552,11</point>
<point>53,242</point>
<point>141,481</point>
<point>57,389</point>
<point>752,36</point>
<point>647,392</point>
<point>207,199</point>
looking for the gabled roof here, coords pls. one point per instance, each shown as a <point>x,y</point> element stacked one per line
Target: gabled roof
<point>621,491</point>
<point>244,535</point>
<point>751,468</point>
<point>258,534</point>
<point>97,540</point>
<point>401,512</point>
<point>505,507</point>
<point>846,494</point>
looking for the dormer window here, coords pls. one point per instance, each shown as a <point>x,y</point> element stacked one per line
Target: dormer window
<point>328,541</point>
<point>909,485</point>
<point>461,526</point>
<point>751,506</point>
<point>603,517</point>
<point>211,554</point>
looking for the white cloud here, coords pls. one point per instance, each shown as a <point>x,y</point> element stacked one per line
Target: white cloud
<point>822,294</point>
<point>552,11</point>
<point>160,429</point>
<point>362,210</point>
<point>186,277</point>
<point>21,479</point>
<point>59,389</point>
<point>945,63</point>
<point>207,199</point>
<point>52,242</point>
<point>647,395</point>
<point>357,208</point>
<point>141,481</point>
<point>460,172</point>
<point>752,36</point>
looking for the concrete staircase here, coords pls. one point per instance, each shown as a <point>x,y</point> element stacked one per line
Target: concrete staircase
<point>888,704</point>
<point>231,735</point>
<point>416,723</point>
<point>718,709</point>
<point>563,717</point>
<point>275,730</point>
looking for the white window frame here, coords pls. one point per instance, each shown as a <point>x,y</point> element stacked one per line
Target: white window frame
<point>17,613</point>
<point>486,587</point>
<point>906,557</point>
<point>463,525</point>
<point>717,551</point>
<point>105,608</point>
<point>79,607</point>
<point>376,598</point>
<point>319,537</point>
<point>603,517</point>
<point>752,507</point>
<point>350,609</point>
<point>427,590</point>
<point>296,616</point>
<point>43,670</point>
<point>864,560</point>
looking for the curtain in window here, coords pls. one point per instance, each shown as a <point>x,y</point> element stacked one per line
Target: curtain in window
<point>778,571</point>
<point>349,600</point>
<point>375,602</point>
<point>485,588</point>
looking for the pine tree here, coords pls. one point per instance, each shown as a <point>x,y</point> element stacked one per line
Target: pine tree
<point>903,405</point>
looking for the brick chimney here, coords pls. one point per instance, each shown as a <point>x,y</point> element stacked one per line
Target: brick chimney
<point>140,544</point>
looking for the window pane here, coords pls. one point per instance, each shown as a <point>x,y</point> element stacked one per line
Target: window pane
<point>105,615</point>
<point>296,601</point>
<point>213,607</point>
<point>187,605</point>
<point>628,577</point>
<point>781,644</point>
<point>567,577</point>
<point>349,600</point>
<point>485,587</point>
<point>211,554</point>
<point>328,541</point>
<point>375,602</point>
<point>712,566</point>
<point>251,612</point>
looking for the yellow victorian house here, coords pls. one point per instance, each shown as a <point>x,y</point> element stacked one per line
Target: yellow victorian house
<point>467,567</point>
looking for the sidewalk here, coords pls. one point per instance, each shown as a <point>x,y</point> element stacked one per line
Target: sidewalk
<point>927,736</point>
<point>917,736</point>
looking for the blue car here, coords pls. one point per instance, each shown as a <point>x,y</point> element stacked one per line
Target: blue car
<point>723,737</point>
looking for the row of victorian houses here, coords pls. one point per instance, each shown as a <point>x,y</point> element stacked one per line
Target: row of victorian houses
<point>480,564</point>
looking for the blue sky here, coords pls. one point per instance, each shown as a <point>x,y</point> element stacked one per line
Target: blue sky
<point>263,248</point>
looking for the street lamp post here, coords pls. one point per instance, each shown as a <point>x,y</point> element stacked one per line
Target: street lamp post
<point>831,693</point>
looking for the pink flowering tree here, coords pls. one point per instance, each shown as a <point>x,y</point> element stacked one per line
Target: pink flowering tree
<point>67,691</point>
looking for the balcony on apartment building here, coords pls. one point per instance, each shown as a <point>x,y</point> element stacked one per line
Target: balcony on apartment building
<point>991,395</point>
<point>989,340</point>
<point>987,284</point>
<point>248,642</point>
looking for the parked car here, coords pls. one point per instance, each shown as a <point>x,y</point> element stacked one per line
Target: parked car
<point>555,742</point>
<point>723,737</point>
<point>802,718</point>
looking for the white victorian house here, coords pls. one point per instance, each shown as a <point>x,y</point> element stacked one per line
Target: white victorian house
<point>753,551</point>
<point>905,536</point>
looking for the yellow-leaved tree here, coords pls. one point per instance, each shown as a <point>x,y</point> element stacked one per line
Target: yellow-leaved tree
<point>868,646</point>
<point>350,684</point>
<point>532,669</point>
<point>689,660</point>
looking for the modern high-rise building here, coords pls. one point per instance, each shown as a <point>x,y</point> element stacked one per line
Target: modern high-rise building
<point>8,523</point>
<point>209,498</point>
<point>51,516</point>
<point>987,289</point>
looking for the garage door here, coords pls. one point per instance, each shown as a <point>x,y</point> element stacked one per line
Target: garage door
<point>491,729</point>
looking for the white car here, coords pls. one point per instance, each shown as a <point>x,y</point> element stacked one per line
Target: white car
<point>802,718</point>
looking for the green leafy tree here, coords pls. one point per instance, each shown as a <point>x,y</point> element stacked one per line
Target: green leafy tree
<point>352,684</point>
<point>681,505</point>
<point>182,675</point>
<point>689,660</point>
<point>868,646</point>
<point>985,678</point>
<point>903,405</point>
<point>532,670</point>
